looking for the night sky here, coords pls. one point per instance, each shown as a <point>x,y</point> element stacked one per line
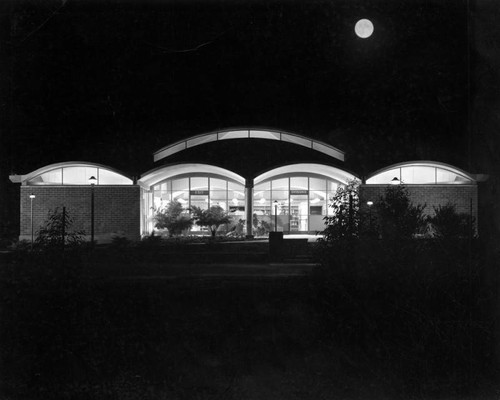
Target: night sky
<point>113,81</point>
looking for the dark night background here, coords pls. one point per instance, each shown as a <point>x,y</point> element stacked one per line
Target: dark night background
<point>112,81</point>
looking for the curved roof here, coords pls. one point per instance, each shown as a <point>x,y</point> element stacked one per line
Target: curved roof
<point>421,172</point>
<point>25,179</point>
<point>249,133</point>
<point>308,169</point>
<point>159,174</point>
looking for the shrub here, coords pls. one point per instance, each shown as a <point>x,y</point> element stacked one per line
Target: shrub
<point>212,218</point>
<point>344,223</point>
<point>173,218</point>
<point>397,217</point>
<point>57,232</point>
<point>447,223</point>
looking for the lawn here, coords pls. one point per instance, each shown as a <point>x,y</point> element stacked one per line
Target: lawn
<point>70,333</point>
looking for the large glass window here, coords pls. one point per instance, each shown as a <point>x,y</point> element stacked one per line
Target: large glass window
<point>53,177</point>
<point>446,176</point>
<point>418,175</point>
<point>79,175</point>
<point>385,177</point>
<point>300,202</point>
<point>203,192</point>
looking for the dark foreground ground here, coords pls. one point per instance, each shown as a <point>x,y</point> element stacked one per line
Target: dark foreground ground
<point>206,332</point>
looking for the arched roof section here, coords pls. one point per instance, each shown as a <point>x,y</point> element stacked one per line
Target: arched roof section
<point>73,173</point>
<point>421,173</point>
<point>306,169</point>
<point>157,175</point>
<point>268,134</point>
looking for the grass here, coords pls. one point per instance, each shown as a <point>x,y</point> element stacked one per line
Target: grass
<point>68,334</point>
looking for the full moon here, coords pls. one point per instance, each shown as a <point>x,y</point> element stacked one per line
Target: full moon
<point>364,28</point>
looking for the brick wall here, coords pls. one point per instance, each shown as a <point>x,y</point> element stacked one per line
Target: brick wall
<point>431,195</point>
<point>116,209</point>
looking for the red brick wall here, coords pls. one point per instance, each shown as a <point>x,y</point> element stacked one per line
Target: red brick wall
<point>116,209</point>
<point>431,195</point>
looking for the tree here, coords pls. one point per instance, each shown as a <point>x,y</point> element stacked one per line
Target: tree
<point>448,223</point>
<point>212,218</point>
<point>398,218</point>
<point>173,219</point>
<point>344,222</point>
<point>57,232</point>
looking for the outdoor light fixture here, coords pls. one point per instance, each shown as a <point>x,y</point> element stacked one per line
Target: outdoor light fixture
<point>32,196</point>
<point>235,201</point>
<point>262,200</point>
<point>370,204</point>
<point>92,181</point>
<point>275,215</point>
<point>395,181</point>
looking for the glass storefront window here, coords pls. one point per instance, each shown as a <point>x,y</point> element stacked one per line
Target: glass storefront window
<point>180,184</point>
<point>199,183</point>
<point>299,183</point>
<point>280,184</point>
<point>218,184</point>
<point>302,202</point>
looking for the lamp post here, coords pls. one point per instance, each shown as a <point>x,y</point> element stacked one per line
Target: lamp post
<point>32,196</point>
<point>92,181</point>
<point>370,204</point>
<point>275,215</point>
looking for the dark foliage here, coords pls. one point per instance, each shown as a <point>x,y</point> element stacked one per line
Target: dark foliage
<point>260,227</point>
<point>422,309</point>
<point>344,223</point>
<point>57,232</point>
<point>397,217</point>
<point>447,223</point>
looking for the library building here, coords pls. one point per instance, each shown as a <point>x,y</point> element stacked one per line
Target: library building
<point>293,197</point>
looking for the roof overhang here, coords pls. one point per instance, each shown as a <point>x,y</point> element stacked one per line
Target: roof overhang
<point>157,175</point>
<point>322,170</point>
<point>268,134</point>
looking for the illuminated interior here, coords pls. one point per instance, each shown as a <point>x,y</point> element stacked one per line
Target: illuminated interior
<point>297,196</point>
<point>201,191</point>
<point>189,186</point>
<point>75,174</point>
<point>420,173</point>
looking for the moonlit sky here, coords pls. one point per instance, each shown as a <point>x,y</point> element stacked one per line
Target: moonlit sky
<point>112,81</point>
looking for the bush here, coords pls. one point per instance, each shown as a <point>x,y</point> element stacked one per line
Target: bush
<point>212,218</point>
<point>344,223</point>
<point>425,313</point>
<point>397,217</point>
<point>447,223</point>
<point>173,218</point>
<point>57,233</point>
